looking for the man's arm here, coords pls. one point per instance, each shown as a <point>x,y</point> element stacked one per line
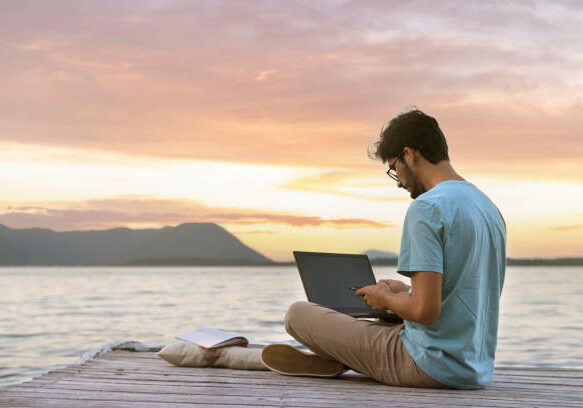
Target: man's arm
<point>422,305</point>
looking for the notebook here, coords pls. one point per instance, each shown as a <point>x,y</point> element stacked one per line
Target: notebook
<point>212,338</point>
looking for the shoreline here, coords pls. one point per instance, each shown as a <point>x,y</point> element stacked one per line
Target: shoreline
<point>238,263</point>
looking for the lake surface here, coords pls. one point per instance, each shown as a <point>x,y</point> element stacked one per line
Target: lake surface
<point>49,317</point>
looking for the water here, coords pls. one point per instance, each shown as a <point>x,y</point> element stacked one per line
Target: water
<point>49,317</point>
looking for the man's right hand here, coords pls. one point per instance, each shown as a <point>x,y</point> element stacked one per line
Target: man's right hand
<point>395,286</point>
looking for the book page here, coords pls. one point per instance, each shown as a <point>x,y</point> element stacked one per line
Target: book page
<point>254,343</point>
<point>208,338</point>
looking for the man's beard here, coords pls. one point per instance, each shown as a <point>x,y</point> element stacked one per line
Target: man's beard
<point>413,185</point>
<point>416,190</point>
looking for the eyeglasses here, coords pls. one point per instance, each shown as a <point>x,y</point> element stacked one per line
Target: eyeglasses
<point>392,171</point>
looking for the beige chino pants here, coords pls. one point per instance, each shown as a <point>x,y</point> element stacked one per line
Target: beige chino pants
<point>371,348</point>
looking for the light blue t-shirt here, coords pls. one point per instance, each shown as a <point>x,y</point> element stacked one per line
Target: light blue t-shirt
<point>454,229</point>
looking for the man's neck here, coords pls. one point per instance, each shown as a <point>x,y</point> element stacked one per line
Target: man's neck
<point>433,174</point>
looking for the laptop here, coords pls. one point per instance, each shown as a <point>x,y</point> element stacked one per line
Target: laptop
<point>327,279</point>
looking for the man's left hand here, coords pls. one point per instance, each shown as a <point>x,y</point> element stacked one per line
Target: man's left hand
<point>375,295</point>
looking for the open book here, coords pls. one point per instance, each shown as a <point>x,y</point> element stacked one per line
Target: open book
<point>213,338</point>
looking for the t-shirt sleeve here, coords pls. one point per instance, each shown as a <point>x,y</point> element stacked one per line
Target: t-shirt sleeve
<point>423,240</point>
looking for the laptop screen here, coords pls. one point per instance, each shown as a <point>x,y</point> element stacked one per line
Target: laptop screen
<point>326,278</point>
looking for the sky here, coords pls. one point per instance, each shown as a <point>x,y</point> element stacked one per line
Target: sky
<point>258,115</point>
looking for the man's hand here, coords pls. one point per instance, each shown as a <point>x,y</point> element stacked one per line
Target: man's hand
<point>395,286</point>
<point>375,295</point>
<point>422,305</point>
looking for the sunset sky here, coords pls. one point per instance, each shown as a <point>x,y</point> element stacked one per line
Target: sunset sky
<point>257,115</point>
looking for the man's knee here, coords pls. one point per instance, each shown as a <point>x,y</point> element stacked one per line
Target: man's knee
<point>294,313</point>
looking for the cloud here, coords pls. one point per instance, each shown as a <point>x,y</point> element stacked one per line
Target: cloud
<point>265,74</point>
<point>294,220</point>
<point>259,232</point>
<point>567,228</point>
<point>197,80</point>
<point>340,182</point>
<point>140,212</point>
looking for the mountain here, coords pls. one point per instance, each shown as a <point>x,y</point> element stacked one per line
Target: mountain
<point>374,254</point>
<point>381,258</point>
<point>205,243</point>
<point>545,262</point>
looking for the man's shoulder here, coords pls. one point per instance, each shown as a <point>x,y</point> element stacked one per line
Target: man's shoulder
<point>426,213</point>
<point>448,200</point>
<point>454,201</point>
<point>423,207</point>
<point>451,193</point>
<point>449,188</point>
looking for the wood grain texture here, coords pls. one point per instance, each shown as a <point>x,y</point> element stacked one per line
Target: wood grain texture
<point>130,379</point>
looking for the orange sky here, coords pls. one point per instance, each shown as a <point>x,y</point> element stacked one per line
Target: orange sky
<point>257,115</point>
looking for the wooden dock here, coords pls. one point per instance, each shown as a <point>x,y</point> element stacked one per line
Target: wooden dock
<point>140,379</point>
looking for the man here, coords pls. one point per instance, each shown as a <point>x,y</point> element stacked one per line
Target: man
<point>453,248</point>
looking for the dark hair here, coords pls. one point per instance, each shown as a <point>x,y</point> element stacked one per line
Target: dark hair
<point>413,129</point>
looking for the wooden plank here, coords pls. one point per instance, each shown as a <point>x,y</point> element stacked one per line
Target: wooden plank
<point>338,385</point>
<point>542,372</point>
<point>505,372</point>
<point>169,369</point>
<point>123,355</point>
<point>190,389</point>
<point>547,372</point>
<point>122,378</point>
<point>100,395</point>
<point>289,399</point>
<point>204,375</point>
<point>35,402</point>
<point>151,367</point>
<point>253,400</point>
<point>410,392</point>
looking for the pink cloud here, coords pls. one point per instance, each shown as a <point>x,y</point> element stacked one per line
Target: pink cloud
<point>110,213</point>
<point>294,220</point>
<point>180,80</point>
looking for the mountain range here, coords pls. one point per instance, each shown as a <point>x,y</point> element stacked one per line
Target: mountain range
<point>375,254</point>
<point>185,244</point>
<point>190,243</point>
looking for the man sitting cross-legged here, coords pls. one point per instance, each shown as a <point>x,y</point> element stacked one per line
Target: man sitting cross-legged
<point>453,247</point>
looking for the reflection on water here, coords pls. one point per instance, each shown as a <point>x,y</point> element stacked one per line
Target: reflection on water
<point>50,316</point>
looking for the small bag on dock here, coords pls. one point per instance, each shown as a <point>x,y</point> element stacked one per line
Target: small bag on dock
<point>189,355</point>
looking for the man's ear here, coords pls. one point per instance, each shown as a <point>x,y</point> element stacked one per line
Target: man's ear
<point>409,156</point>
